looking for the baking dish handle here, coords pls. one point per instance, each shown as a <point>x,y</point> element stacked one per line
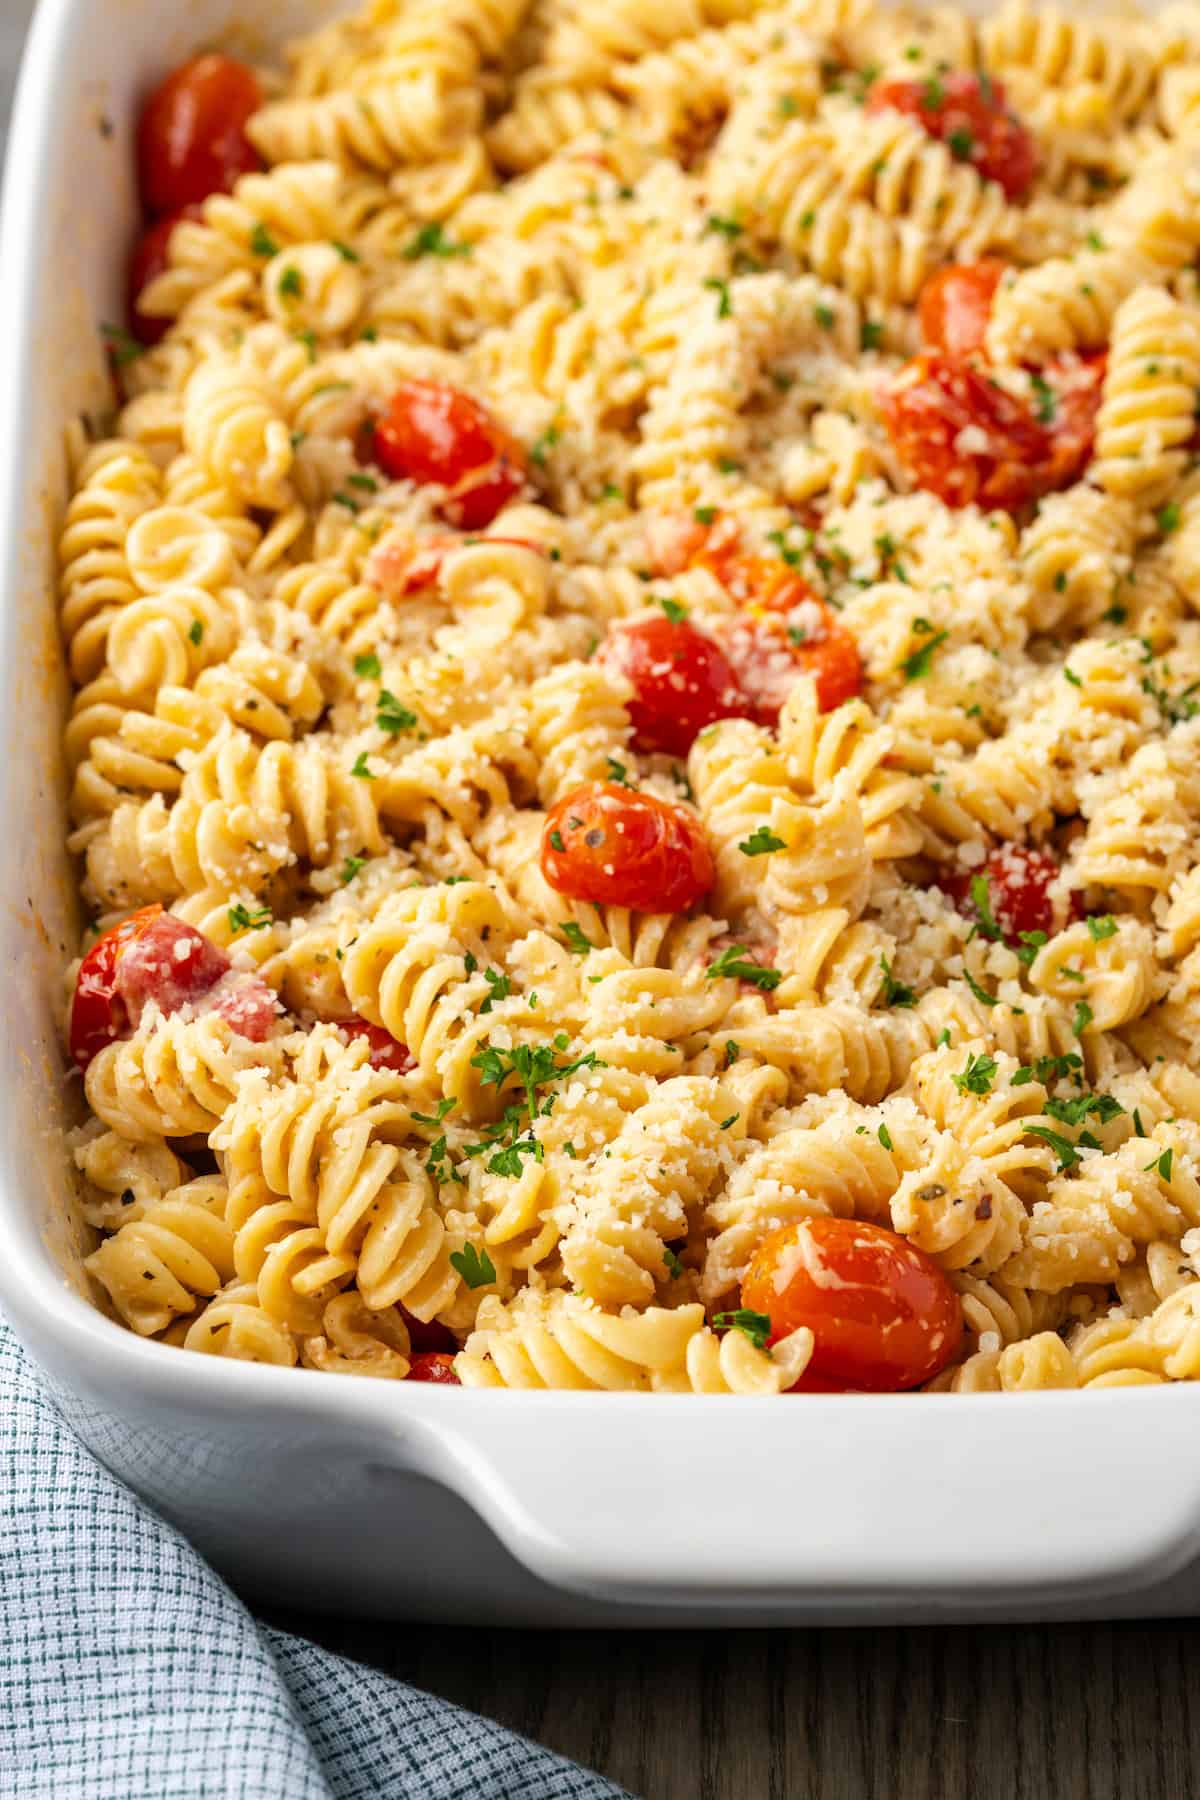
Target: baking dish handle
<point>620,1495</point>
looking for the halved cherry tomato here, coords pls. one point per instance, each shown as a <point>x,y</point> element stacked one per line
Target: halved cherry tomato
<point>882,1313</point>
<point>681,680</point>
<point>98,1013</point>
<point>400,565</point>
<point>964,438</point>
<point>433,432</point>
<point>617,847</point>
<point>1018,880</point>
<point>247,1005</point>
<point>427,1336</point>
<point>768,652</point>
<point>386,1052</point>
<point>956,304</point>
<point>436,1366</point>
<point>149,259</point>
<point>168,963</point>
<point>968,113</point>
<point>191,137</point>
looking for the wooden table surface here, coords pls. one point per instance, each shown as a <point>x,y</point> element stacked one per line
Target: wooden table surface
<point>997,1713</point>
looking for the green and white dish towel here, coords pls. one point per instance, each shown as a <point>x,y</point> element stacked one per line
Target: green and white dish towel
<point>129,1671</point>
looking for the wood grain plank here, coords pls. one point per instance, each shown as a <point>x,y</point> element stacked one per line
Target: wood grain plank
<point>1057,1712</point>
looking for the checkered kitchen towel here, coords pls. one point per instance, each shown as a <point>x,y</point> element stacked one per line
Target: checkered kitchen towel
<point>129,1671</point>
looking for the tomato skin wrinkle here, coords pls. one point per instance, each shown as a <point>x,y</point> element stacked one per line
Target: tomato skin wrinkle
<point>435,1366</point>
<point>882,1314</point>
<point>975,121</point>
<point>964,439</point>
<point>191,139</point>
<point>955,306</point>
<point>618,847</point>
<point>1019,881</point>
<point>435,433</point>
<point>386,1052</point>
<point>149,259</point>
<point>98,1013</point>
<point>681,680</point>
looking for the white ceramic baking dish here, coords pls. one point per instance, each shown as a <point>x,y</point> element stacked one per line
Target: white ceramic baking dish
<point>362,1495</point>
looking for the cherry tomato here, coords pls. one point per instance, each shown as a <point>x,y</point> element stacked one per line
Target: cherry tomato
<point>169,964</point>
<point>149,259</point>
<point>98,1013</point>
<point>968,113</point>
<point>432,432</point>
<point>191,137</point>
<point>1019,881</point>
<point>386,1052</point>
<point>768,653</point>
<point>617,847</point>
<point>882,1313</point>
<point>681,680</point>
<point>247,1005</point>
<point>964,438</point>
<point>1075,391</point>
<point>427,1335</point>
<point>436,1366</point>
<point>956,304</point>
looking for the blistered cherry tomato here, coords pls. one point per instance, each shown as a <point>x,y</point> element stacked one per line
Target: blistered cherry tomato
<point>386,1052</point>
<point>768,653</point>
<point>617,847</point>
<point>681,680</point>
<point>247,1005</point>
<point>436,1366</point>
<point>1018,881</point>
<point>149,259</point>
<point>191,137</point>
<point>1070,399</point>
<point>427,1335</point>
<point>98,1013</point>
<point>956,304</point>
<point>168,963</point>
<point>964,438</point>
<point>968,113</point>
<point>433,432</point>
<point>881,1312</point>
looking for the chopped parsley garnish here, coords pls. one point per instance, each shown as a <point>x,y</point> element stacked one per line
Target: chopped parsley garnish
<point>241,918</point>
<point>1072,677</point>
<point>732,1052</point>
<point>704,515</point>
<point>980,993</point>
<point>534,1067</point>
<point>345,251</point>
<point>761,842</point>
<point>501,988</point>
<point>431,240</point>
<point>350,868</point>
<point>360,767</point>
<point>755,1325</point>
<point>309,340</point>
<point>1168,517</point>
<point>1062,1146</point>
<point>870,335</point>
<point>575,938</point>
<point>961,143</point>
<point>893,992</point>
<point>729,228</point>
<point>391,716</point>
<point>921,661</point>
<point>674,611</point>
<point>1162,1164</point>
<point>671,1263</point>
<point>721,289</point>
<point>291,282</point>
<point>731,1120</point>
<point>195,631</point>
<point>368,664</point>
<point>1045,400</point>
<point>1031,943</point>
<point>261,241</point>
<point>123,347</point>
<point>885,1137</point>
<point>824,317</point>
<point>981,900</point>
<point>977,1075</point>
<point>543,444</point>
<point>616,771</point>
<point>556,840</point>
<point>731,963</point>
<point>475,1266</point>
<point>1101,926</point>
<point>1082,1019</point>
